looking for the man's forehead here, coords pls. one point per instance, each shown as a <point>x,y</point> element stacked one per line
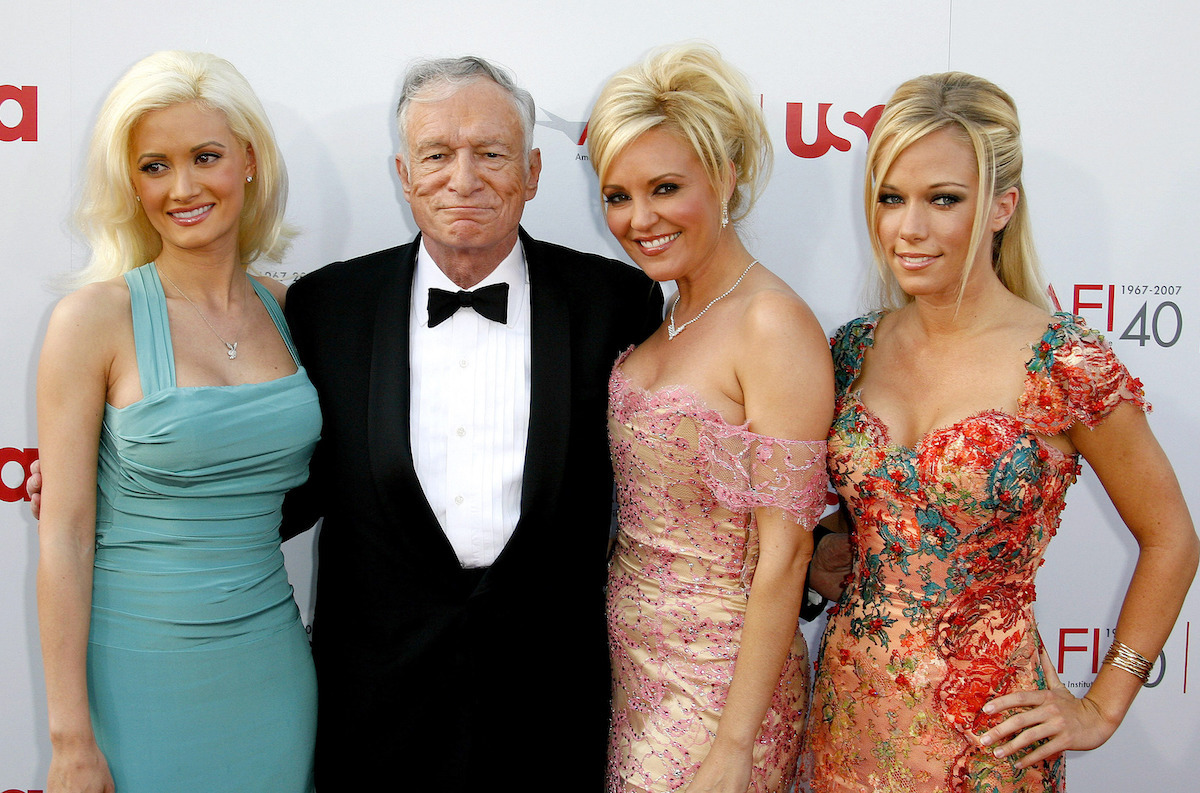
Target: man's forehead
<point>459,119</point>
<point>436,136</point>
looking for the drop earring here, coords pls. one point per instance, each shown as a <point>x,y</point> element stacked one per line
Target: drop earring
<point>724,214</point>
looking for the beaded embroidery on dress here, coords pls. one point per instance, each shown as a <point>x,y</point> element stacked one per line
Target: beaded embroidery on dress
<point>687,485</point>
<point>937,617</point>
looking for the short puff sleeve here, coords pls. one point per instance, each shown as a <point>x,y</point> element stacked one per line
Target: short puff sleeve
<point>1074,375</point>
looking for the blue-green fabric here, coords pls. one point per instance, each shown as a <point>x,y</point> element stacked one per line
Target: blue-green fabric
<point>199,671</point>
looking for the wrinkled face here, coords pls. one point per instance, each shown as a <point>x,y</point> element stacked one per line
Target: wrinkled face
<point>189,170</point>
<point>927,204</point>
<point>661,206</point>
<point>467,175</point>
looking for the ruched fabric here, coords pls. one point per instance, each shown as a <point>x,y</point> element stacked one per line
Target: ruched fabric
<point>199,671</point>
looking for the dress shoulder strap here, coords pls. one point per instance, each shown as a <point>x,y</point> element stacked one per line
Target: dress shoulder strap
<point>268,301</point>
<point>151,330</point>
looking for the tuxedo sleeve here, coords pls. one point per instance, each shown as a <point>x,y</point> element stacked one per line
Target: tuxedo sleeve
<point>302,506</point>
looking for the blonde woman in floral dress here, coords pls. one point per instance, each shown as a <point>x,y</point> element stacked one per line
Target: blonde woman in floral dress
<point>962,412</point>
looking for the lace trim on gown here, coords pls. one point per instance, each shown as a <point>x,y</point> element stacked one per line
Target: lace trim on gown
<point>744,469</point>
<point>688,487</point>
<point>948,537</point>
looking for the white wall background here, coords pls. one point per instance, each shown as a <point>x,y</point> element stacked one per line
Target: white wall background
<point>1109,97</point>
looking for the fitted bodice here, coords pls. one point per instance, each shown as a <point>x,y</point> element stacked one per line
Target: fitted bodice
<point>688,482</point>
<point>690,488</point>
<point>937,616</point>
<point>191,485</point>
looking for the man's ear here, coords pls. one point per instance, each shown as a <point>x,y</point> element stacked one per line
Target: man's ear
<point>405,182</point>
<point>535,172</point>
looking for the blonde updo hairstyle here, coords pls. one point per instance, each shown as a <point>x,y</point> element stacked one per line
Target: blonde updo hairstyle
<point>116,228</point>
<point>689,90</point>
<point>985,118</point>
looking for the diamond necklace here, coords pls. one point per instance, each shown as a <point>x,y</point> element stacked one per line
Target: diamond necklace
<point>673,331</point>
<point>230,347</point>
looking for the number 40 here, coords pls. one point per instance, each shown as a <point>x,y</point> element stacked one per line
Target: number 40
<point>1139,320</point>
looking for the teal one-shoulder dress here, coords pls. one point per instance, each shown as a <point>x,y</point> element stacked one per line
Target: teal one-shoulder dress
<point>200,676</point>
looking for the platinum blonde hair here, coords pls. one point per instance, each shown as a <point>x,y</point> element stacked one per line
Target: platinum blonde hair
<point>985,117</point>
<point>116,228</point>
<point>690,90</point>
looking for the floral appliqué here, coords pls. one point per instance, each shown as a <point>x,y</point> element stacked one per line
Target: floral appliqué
<point>688,487</point>
<point>948,535</point>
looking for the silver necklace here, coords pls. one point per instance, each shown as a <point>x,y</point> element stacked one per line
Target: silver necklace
<point>673,331</point>
<point>230,347</point>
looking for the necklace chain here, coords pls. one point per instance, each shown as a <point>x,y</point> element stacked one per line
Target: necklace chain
<point>230,347</point>
<point>673,331</point>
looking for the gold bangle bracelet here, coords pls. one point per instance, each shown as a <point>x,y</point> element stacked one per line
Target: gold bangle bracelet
<point>1122,656</point>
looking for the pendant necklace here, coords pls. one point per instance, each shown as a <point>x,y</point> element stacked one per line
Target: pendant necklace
<point>230,347</point>
<point>673,331</point>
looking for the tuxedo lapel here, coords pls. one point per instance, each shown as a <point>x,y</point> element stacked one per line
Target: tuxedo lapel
<point>550,389</point>
<point>388,430</point>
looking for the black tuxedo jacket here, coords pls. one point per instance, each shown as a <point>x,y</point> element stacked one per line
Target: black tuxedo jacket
<point>429,673</point>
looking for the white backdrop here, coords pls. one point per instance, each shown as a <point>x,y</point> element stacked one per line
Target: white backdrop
<point>1108,95</point>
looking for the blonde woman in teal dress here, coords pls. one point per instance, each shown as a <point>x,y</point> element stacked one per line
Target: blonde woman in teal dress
<point>172,418</point>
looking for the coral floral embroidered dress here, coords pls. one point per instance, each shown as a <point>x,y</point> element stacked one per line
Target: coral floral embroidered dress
<point>937,617</point>
<point>687,484</point>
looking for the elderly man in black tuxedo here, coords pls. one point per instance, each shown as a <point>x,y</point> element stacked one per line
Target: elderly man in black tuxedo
<point>463,469</point>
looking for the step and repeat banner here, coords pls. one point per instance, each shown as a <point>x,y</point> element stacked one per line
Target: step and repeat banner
<point>1108,95</point>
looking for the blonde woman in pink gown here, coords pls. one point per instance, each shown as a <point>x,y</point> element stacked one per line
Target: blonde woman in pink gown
<point>962,414</point>
<point>717,424</point>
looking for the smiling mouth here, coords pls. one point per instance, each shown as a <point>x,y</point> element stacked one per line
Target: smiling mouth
<point>191,214</point>
<point>658,243</point>
<point>915,261</point>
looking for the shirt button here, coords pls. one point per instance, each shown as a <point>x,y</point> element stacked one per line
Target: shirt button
<point>458,500</point>
<point>463,363</point>
<point>461,431</point>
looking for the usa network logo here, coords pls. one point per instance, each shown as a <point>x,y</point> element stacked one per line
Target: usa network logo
<point>824,139</point>
<point>18,113</point>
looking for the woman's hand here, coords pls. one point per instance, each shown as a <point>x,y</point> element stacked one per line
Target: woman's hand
<point>80,769</point>
<point>723,771</point>
<point>1055,716</point>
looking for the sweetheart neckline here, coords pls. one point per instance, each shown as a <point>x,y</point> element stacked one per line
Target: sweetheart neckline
<point>915,448</point>
<point>684,390</point>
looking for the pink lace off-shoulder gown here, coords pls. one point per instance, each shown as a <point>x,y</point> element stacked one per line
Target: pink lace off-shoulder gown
<point>687,485</point>
<point>937,617</point>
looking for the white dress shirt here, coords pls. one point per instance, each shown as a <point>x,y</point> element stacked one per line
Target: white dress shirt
<point>470,409</point>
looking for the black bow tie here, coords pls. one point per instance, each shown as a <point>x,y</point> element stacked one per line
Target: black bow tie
<point>489,301</point>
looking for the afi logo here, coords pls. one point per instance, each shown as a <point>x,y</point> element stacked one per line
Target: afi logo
<point>826,138</point>
<point>25,98</point>
<point>1157,319</point>
<point>1088,642</point>
<point>21,458</point>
